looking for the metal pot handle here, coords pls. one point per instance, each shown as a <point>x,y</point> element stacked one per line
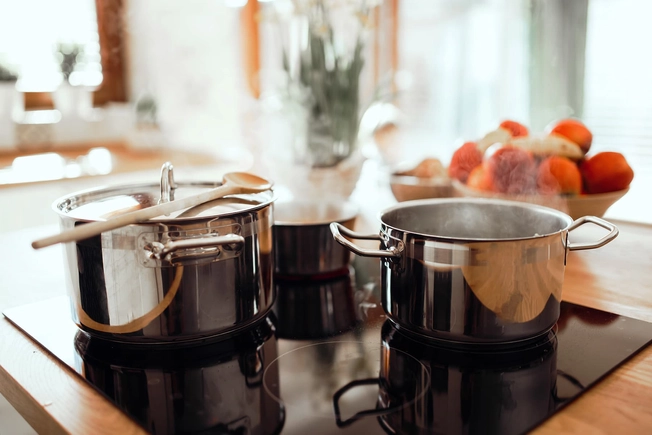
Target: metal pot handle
<point>253,375</point>
<point>613,232</point>
<point>159,250</point>
<point>358,415</point>
<point>570,378</point>
<point>338,229</point>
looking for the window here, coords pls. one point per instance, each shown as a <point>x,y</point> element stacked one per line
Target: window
<point>78,41</point>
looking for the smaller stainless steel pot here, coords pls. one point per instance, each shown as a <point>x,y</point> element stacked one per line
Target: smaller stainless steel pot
<point>473,271</point>
<point>303,243</point>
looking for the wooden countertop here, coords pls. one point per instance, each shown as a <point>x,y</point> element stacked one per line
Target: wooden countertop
<point>89,160</point>
<point>54,400</point>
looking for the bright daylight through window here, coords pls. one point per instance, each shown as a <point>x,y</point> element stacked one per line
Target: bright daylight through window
<point>44,43</point>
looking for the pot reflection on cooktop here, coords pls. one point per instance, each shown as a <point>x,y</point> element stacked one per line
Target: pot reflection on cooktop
<point>412,386</point>
<point>314,309</point>
<point>471,391</point>
<point>366,377</point>
<point>210,389</point>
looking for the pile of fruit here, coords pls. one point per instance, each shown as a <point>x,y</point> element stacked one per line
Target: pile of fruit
<point>510,160</point>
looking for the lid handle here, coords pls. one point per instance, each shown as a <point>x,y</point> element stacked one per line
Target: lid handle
<point>167,183</point>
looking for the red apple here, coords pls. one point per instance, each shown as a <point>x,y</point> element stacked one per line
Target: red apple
<point>512,170</point>
<point>464,159</point>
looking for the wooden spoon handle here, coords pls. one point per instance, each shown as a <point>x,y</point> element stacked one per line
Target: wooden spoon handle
<point>94,228</point>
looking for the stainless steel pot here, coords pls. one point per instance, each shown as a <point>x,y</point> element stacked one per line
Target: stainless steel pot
<point>470,270</point>
<point>303,243</point>
<point>197,273</point>
<point>209,389</point>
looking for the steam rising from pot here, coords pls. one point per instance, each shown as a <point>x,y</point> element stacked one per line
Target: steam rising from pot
<point>476,219</point>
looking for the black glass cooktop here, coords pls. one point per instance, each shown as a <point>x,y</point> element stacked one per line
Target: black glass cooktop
<point>327,361</point>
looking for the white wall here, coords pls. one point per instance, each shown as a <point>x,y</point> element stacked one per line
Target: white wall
<point>186,54</point>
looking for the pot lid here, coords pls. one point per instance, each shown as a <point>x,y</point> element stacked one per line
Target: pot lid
<point>105,202</point>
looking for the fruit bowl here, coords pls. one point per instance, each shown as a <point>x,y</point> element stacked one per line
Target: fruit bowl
<point>409,187</point>
<point>575,206</point>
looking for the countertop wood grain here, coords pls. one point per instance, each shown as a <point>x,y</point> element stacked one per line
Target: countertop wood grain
<point>54,400</point>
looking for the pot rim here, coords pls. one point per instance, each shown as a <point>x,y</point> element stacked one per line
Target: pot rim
<point>347,211</point>
<point>419,202</point>
<point>60,205</point>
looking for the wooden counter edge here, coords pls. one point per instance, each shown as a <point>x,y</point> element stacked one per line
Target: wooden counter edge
<point>35,414</point>
<point>50,398</point>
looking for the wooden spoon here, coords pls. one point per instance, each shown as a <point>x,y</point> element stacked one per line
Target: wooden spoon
<point>233,183</point>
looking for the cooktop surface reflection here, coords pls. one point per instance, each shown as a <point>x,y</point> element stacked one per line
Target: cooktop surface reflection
<point>337,365</point>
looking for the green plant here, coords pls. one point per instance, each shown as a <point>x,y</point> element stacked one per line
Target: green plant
<point>6,75</point>
<point>69,55</point>
<point>328,77</point>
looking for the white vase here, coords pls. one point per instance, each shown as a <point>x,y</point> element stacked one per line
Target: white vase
<point>73,101</point>
<point>328,183</point>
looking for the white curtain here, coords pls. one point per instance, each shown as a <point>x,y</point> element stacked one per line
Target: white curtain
<point>463,68</point>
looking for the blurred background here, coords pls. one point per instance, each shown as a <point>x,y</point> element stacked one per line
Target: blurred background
<point>90,88</point>
<point>97,88</point>
<point>76,72</point>
<point>198,75</point>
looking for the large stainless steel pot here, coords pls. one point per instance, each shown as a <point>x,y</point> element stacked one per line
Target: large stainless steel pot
<point>473,270</point>
<point>197,273</point>
<point>208,389</point>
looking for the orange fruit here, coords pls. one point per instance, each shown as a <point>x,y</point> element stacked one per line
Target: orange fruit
<point>479,179</point>
<point>515,128</point>
<point>573,130</point>
<point>428,168</point>
<point>606,172</point>
<point>512,170</point>
<point>558,174</point>
<point>464,160</point>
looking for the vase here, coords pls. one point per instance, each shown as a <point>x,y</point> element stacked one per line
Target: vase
<point>323,51</point>
<point>330,183</point>
<point>278,142</point>
<point>74,101</point>
<point>330,139</point>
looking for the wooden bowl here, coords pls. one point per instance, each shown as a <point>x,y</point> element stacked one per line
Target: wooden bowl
<point>408,187</point>
<point>575,206</point>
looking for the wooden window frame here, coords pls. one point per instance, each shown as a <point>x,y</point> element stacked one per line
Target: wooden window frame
<point>110,26</point>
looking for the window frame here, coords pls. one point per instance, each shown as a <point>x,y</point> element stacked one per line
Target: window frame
<point>110,27</point>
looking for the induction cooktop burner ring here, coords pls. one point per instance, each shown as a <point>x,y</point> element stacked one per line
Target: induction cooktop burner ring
<point>343,361</point>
